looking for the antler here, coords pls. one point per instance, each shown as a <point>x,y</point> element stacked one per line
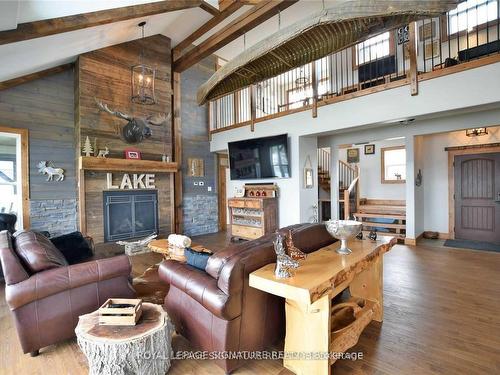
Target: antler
<point>158,119</point>
<point>105,108</point>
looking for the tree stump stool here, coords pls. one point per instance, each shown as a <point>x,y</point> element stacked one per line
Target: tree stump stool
<point>125,350</point>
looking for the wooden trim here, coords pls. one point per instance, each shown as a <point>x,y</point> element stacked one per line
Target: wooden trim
<point>413,73</point>
<point>25,171</point>
<point>222,169</point>
<point>125,165</point>
<point>38,29</point>
<point>383,180</point>
<point>33,76</point>
<point>82,213</point>
<point>247,21</point>
<point>314,90</point>
<point>209,8</point>
<point>209,25</point>
<point>177,151</point>
<point>460,67</point>
<point>452,152</point>
<point>474,147</point>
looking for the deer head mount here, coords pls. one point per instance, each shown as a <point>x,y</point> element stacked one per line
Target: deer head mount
<point>137,128</point>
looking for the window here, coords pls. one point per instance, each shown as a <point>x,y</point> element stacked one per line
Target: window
<point>472,13</point>
<point>393,165</point>
<point>374,48</point>
<point>14,174</point>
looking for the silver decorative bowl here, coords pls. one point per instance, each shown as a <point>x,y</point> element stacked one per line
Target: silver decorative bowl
<point>343,230</point>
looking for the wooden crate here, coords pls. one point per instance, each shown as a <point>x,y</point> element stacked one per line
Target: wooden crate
<point>126,316</point>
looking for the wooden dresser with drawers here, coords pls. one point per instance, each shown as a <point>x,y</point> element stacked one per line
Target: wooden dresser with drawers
<point>253,217</point>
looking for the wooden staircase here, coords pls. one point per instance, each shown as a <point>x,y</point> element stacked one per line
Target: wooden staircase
<point>394,211</point>
<point>324,178</point>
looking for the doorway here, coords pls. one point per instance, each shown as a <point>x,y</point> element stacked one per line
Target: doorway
<point>14,175</point>
<point>222,178</point>
<point>477,197</point>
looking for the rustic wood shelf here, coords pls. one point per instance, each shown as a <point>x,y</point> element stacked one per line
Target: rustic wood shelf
<point>125,165</point>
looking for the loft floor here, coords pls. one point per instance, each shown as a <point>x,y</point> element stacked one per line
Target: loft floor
<point>440,317</point>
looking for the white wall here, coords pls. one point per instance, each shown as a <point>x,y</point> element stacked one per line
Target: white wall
<point>435,180</point>
<point>308,147</point>
<point>370,170</point>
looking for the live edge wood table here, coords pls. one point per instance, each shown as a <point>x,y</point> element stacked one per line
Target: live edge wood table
<point>316,329</point>
<point>143,349</point>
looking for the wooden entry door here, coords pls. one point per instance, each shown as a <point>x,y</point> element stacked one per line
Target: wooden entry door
<point>477,197</point>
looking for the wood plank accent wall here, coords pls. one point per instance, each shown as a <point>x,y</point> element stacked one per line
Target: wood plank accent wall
<point>45,108</point>
<point>105,74</point>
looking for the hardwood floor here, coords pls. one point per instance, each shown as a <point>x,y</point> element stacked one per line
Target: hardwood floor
<point>441,317</point>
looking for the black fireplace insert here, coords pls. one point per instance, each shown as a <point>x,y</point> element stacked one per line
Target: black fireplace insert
<point>129,214</point>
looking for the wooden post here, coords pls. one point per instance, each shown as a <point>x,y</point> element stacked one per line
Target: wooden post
<point>252,107</point>
<point>413,59</point>
<point>314,90</point>
<point>176,204</point>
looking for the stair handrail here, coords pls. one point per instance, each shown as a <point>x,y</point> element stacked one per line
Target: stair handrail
<point>347,200</point>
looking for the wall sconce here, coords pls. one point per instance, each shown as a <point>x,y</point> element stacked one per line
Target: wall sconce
<point>475,132</point>
<point>143,79</point>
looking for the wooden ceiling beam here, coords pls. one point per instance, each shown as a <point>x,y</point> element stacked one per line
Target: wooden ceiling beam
<point>209,25</point>
<point>33,76</point>
<point>38,29</point>
<point>247,21</point>
<point>209,8</point>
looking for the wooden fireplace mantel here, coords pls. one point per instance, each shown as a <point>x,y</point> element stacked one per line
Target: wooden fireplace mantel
<point>125,165</point>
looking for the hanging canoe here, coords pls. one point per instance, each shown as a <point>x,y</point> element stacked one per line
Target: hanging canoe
<point>331,30</point>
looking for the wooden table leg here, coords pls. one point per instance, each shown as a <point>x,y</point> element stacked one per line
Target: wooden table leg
<point>369,285</point>
<point>308,333</point>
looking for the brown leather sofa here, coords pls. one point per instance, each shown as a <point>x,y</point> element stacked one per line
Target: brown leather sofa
<point>216,309</point>
<point>46,295</point>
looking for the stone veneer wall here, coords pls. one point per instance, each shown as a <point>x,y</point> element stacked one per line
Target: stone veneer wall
<point>57,216</point>
<point>200,209</point>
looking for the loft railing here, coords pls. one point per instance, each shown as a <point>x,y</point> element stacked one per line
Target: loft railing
<point>403,56</point>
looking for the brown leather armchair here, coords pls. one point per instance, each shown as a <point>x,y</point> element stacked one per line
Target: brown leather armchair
<point>46,304</point>
<point>216,309</point>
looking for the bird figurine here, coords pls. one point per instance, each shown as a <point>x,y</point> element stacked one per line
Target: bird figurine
<point>359,236</point>
<point>372,235</point>
<point>294,252</point>
<point>284,263</point>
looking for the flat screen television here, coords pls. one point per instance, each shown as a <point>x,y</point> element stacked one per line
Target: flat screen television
<point>259,158</point>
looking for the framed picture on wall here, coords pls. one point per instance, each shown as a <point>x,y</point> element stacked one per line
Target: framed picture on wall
<point>353,155</point>
<point>369,149</point>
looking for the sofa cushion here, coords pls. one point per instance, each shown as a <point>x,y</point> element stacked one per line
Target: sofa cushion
<point>13,270</point>
<point>73,246</point>
<point>37,252</point>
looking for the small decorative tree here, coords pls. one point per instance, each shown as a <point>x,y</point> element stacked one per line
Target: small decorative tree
<point>87,147</point>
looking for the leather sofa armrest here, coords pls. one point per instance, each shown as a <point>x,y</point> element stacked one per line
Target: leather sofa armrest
<point>202,287</point>
<point>56,280</point>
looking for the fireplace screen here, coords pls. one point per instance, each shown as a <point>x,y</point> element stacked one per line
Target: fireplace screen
<point>130,214</point>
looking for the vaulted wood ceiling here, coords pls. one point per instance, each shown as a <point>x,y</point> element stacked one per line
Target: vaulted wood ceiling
<point>48,36</point>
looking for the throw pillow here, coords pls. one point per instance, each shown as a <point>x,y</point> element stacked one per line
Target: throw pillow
<point>73,246</point>
<point>37,252</point>
<point>196,259</point>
